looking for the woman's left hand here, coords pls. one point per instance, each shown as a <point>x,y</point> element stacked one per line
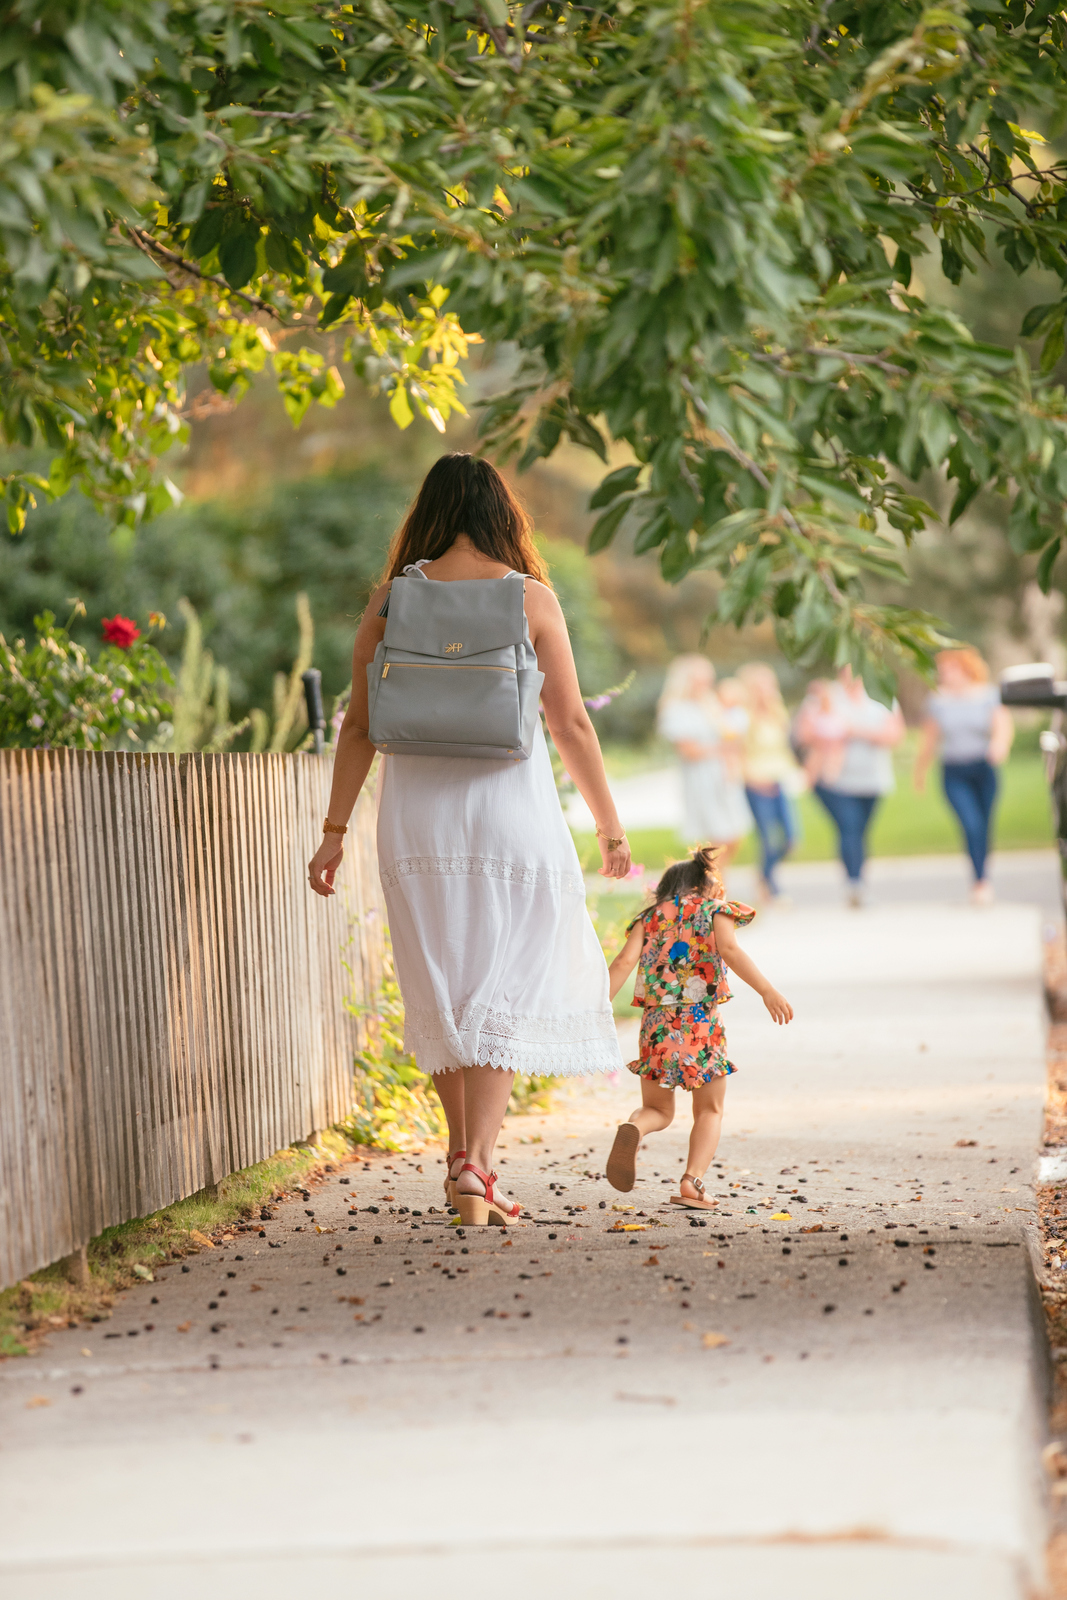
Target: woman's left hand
<point>614,863</point>
<point>322,868</point>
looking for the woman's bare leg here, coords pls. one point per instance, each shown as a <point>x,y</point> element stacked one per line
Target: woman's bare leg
<point>449,1086</point>
<point>486,1091</point>
<point>708,1102</point>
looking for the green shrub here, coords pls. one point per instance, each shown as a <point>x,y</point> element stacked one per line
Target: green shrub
<point>52,695</point>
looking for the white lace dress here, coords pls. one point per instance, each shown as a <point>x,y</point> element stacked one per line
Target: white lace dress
<point>495,954</point>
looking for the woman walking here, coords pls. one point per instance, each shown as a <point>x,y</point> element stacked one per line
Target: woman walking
<point>974,733</point>
<point>497,960</point>
<point>706,737</point>
<point>770,770</point>
<point>861,773</point>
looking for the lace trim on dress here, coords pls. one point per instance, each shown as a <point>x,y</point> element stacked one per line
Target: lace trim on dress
<point>480,867</point>
<point>474,1035</point>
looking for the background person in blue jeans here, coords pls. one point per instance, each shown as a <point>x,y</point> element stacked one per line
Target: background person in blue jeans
<point>853,737</point>
<point>771,773</point>
<point>974,732</point>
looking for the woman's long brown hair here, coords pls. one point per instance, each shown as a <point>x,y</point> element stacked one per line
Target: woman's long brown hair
<point>462,493</point>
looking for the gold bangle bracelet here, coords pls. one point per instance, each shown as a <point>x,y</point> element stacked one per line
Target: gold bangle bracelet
<point>609,839</point>
<point>333,827</point>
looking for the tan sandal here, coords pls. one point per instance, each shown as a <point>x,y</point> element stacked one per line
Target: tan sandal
<point>621,1170</point>
<point>700,1203</point>
<point>450,1181</point>
<point>478,1212</point>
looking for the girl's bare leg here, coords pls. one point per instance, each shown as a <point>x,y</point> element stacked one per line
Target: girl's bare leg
<point>708,1102</point>
<point>656,1111</point>
<point>486,1092</point>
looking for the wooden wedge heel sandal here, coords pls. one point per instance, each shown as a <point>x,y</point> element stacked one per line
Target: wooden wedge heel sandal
<point>701,1203</point>
<point>478,1211</point>
<point>621,1170</point>
<point>450,1181</point>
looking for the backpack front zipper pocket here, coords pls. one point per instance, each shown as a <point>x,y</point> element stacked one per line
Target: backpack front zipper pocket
<point>444,666</point>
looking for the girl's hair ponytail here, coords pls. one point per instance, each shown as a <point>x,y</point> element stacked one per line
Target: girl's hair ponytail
<point>698,872</point>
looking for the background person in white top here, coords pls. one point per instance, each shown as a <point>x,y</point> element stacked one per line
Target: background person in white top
<point>974,733</point>
<point>863,772</point>
<point>498,963</point>
<point>708,738</point>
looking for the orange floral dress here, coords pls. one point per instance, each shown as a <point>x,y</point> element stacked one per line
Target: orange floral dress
<point>681,982</point>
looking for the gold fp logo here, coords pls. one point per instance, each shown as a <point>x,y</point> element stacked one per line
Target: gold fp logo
<point>450,649</point>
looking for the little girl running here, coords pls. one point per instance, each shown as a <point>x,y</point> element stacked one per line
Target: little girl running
<point>683,941</point>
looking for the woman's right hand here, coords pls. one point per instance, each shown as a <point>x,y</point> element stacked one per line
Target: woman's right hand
<point>322,868</point>
<point>614,863</point>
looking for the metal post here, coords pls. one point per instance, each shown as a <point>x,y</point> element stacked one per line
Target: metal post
<point>312,680</point>
<point>1034,685</point>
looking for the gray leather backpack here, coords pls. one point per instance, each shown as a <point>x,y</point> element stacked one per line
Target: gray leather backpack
<point>456,674</point>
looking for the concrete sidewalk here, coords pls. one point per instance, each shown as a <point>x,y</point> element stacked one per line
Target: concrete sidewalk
<point>749,1406</point>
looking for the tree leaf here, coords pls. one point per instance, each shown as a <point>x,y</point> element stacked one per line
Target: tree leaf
<point>607,525</point>
<point>621,481</point>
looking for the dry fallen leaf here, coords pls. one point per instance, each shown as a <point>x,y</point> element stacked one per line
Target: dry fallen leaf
<point>253,1288</point>
<point>201,1239</point>
<point>966,1144</point>
<point>183,1327</point>
<point>143,1273</point>
<point>36,1400</point>
<point>623,1208</point>
<point>712,1341</point>
<point>781,1216</point>
<point>687,1327</point>
<point>86,1351</point>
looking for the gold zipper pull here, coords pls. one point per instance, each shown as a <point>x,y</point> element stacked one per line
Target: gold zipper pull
<point>385,671</point>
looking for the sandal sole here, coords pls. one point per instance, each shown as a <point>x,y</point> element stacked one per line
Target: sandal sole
<point>621,1170</point>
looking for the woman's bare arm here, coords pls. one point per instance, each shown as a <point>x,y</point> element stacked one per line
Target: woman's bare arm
<point>928,743</point>
<point>890,733</point>
<point>354,753</point>
<point>747,970</point>
<point>626,960</point>
<point>1002,736</point>
<point>568,721</point>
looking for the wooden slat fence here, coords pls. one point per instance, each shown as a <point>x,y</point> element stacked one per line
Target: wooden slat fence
<point>171,992</point>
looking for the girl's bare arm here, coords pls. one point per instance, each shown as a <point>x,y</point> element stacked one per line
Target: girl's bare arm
<point>627,959</point>
<point>747,970</point>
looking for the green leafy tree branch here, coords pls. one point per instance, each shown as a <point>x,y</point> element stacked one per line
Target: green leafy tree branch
<point>696,220</point>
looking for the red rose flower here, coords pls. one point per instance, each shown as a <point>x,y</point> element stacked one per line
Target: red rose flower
<point>121,631</point>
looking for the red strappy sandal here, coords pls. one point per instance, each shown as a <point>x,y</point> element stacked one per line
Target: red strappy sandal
<point>479,1212</point>
<point>450,1181</point>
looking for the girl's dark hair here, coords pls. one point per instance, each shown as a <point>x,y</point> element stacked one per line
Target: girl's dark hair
<point>462,493</point>
<point>699,872</point>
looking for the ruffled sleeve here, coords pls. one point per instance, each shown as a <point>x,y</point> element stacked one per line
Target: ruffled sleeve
<point>741,914</point>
